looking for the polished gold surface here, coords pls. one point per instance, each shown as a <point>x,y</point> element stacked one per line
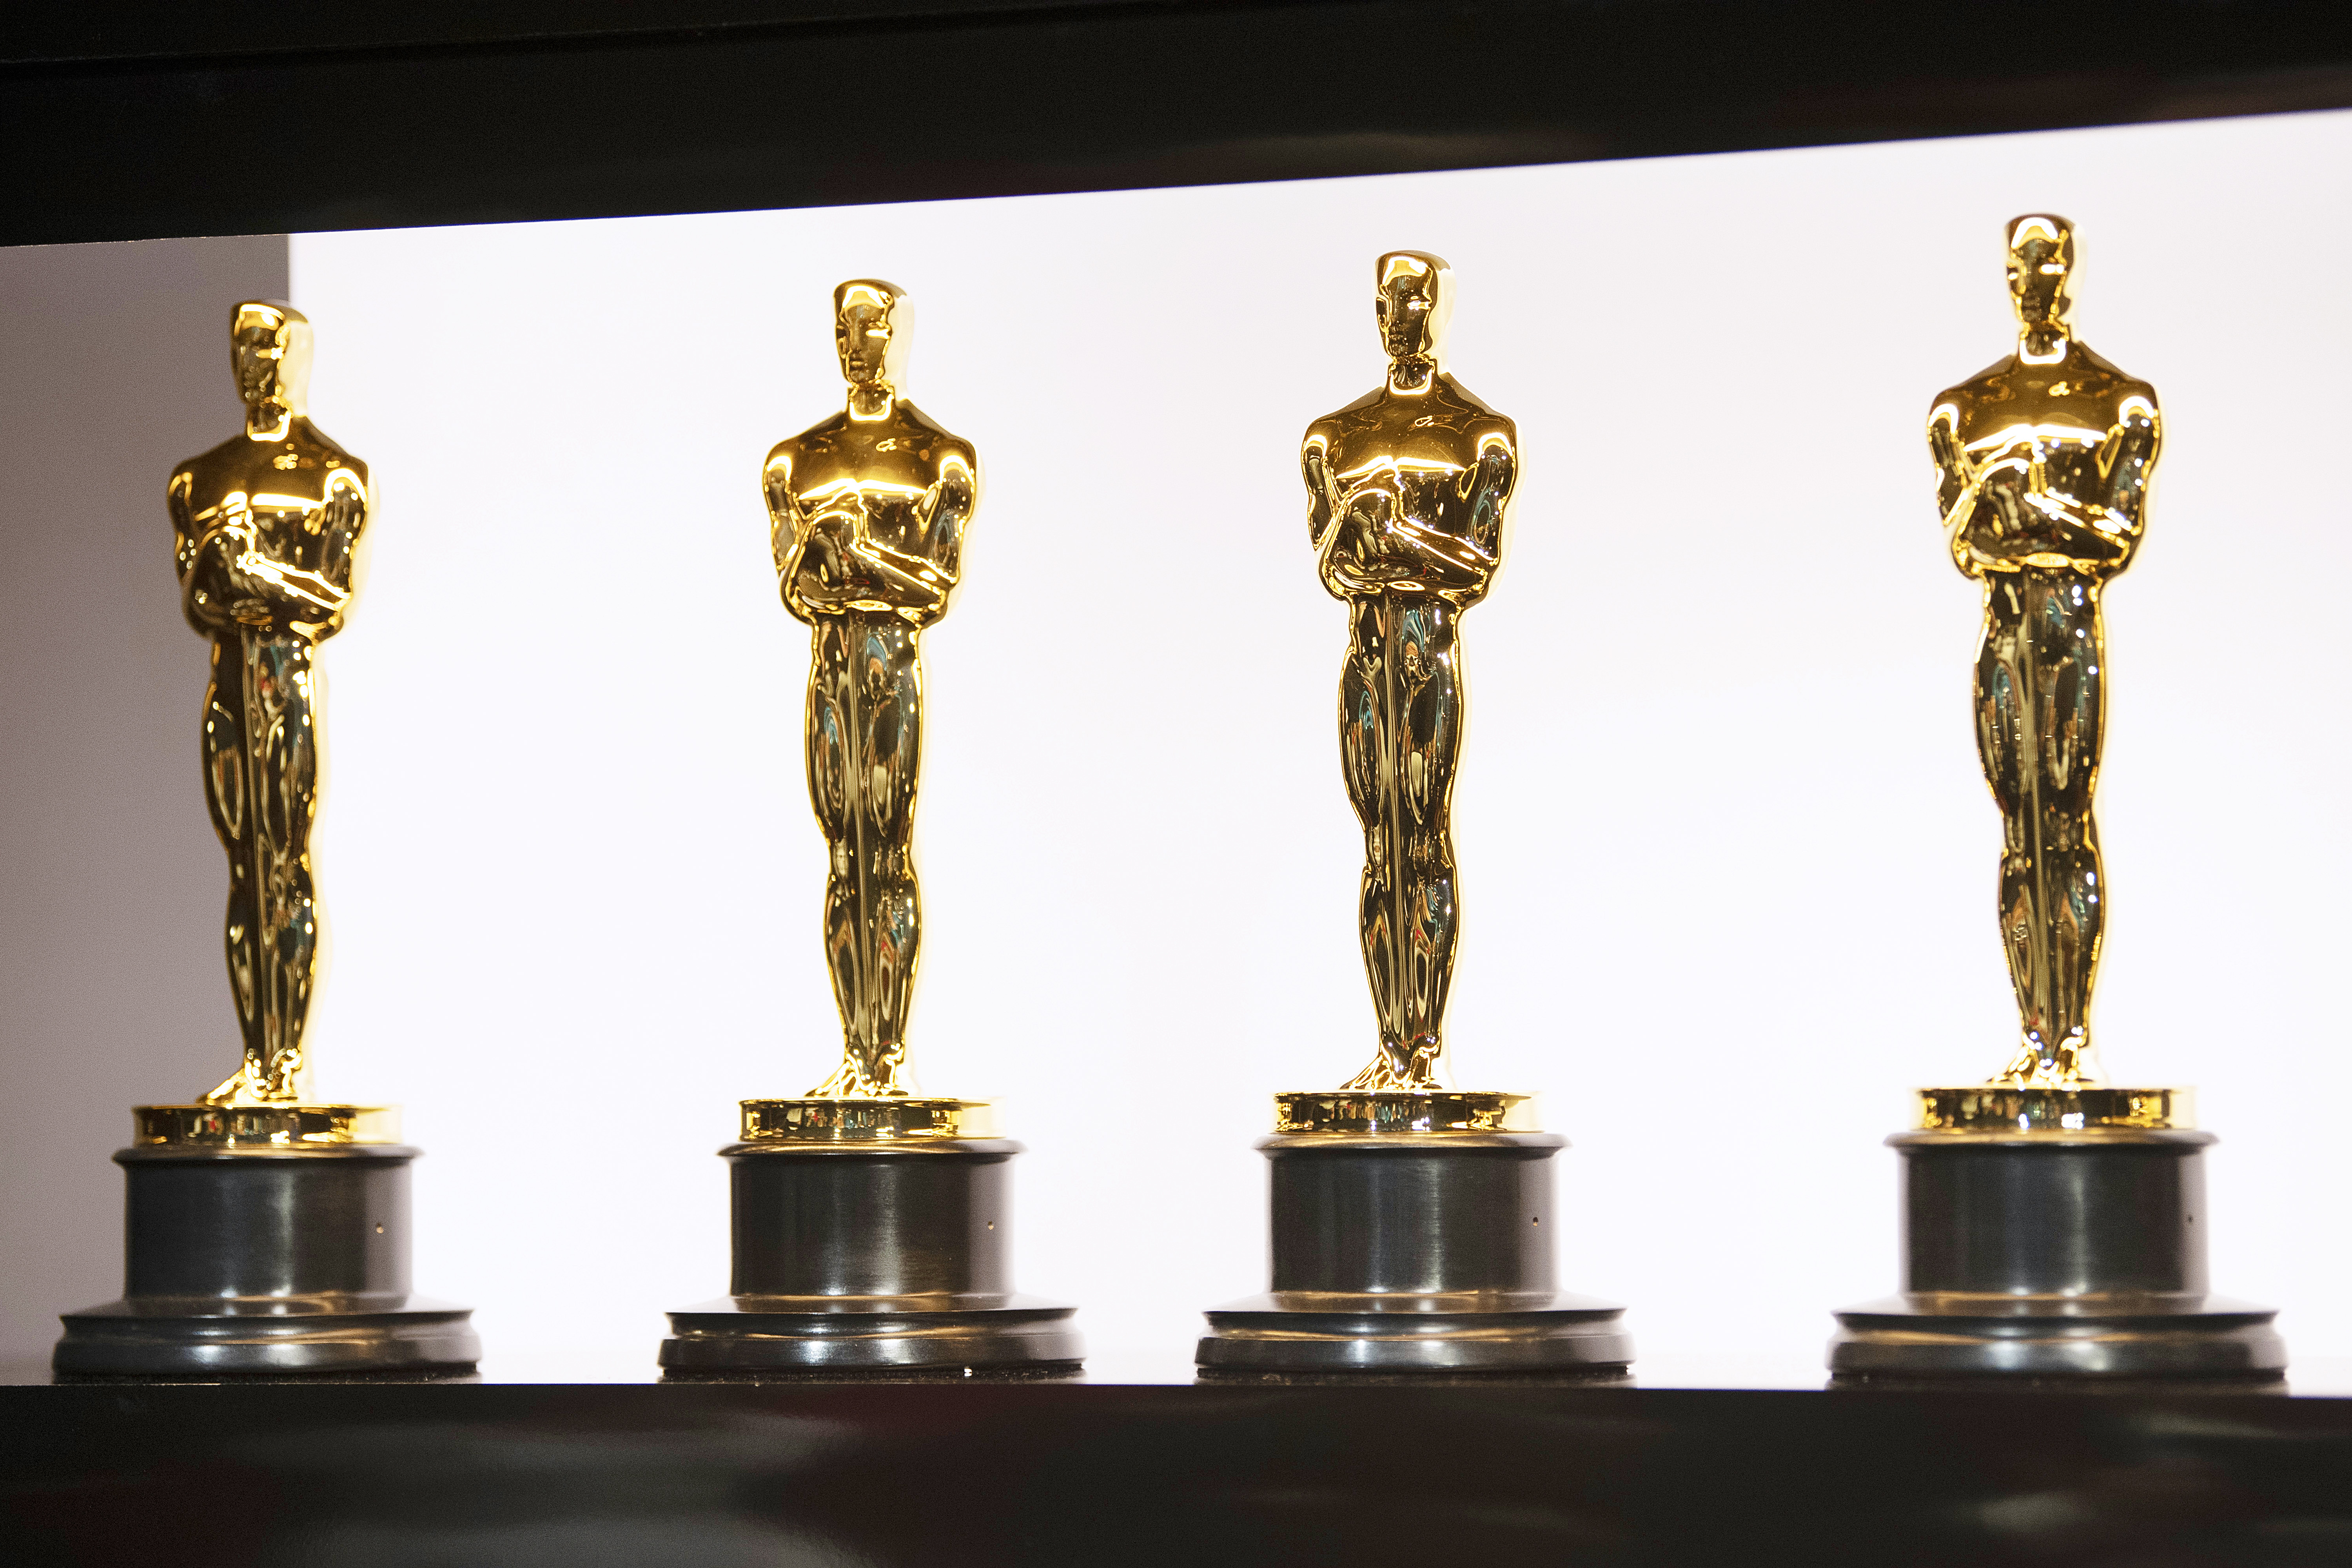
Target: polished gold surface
<point>841,1119</point>
<point>868,510</point>
<point>2005,1108</point>
<point>1409,492</point>
<point>1365,1111</point>
<point>273,1126</point>
<point>2044,461</point>
<point>268,528</point>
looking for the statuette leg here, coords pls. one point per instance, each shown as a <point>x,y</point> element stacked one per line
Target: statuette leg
<point>864,749</point>
<point>1400,734</point>
<point>2040,705</point>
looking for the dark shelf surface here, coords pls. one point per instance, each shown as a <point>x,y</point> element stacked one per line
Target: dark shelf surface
<point>225,29</point>
<point>978,1473</point>
<point>126,121</point>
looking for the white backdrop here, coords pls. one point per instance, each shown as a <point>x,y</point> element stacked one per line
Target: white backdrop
<point>1728,865</point>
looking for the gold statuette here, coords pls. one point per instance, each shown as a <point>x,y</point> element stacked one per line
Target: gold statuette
<point>2054,1226</point>
<point>1409,492</point>
<point>867,513</point>
<point>872,1226</point>
<point>1410,1225</point>
<point>2045,461</point>
<point>268,528</point>
<point>263,1234</point>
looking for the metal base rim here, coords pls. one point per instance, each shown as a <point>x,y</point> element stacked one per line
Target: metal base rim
<point>2026,1385</point>
<point>926,1376</point>
<point>1432,1335</point>
<point>753,1333</point>
<point>2072,1338</point>
<point>124,1340</point>
<point>1603,1376</point>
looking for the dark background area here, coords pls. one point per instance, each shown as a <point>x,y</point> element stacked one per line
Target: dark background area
<point>134,120</point>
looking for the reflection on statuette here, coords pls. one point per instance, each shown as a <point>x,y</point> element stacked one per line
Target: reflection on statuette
<point>2045,461</point>
<point>268,527</point>
<point>1409,488</point>
<point>868,512</point>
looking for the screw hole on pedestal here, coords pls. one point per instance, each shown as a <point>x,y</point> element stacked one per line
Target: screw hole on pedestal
<point>991,1224</point>
<point>1537,1220</point>
<point>379,1230</point>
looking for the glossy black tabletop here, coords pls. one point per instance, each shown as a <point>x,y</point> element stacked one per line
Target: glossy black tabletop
<point>964,1473</point>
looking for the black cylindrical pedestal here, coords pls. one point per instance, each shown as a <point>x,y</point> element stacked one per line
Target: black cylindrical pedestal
<point>2049,1254</point>
<point>870,1257</point>
<point>269,1260</point>
<point>1413,1253</point>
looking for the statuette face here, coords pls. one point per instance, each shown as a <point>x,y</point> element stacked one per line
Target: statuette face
<point>871,323</point>
<point>2045,461</point>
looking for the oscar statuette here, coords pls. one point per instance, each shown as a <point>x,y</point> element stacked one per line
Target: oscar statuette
<point>2054,1226</point>
<point>872,1225</point>
<point>265,1233</point>
<point>1411,1223</point>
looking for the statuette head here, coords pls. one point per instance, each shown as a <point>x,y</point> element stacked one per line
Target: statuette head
<point>270,347</point>
<point>1415,296</point>
<point>2040,265</point>
<point>871,322</point>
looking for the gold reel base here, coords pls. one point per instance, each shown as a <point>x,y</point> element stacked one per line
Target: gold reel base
<point>1307,1113</point>
<point>273,1126</point>
<point>901,1118</point>
<point>2006,1109</point>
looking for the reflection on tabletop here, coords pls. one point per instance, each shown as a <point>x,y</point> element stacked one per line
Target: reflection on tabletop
<point>2312,1376</point>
